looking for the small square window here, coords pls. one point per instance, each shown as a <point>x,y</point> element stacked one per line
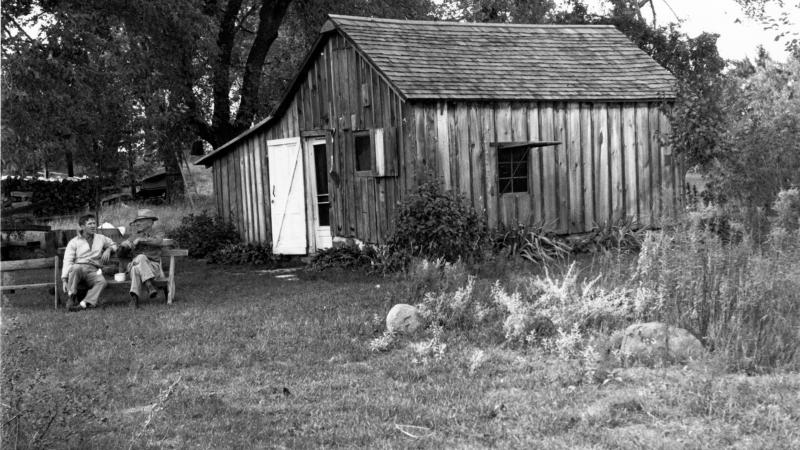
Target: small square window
<point>512,170</point>
<point>363,146</point>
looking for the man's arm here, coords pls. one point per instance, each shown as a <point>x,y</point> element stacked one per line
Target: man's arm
<point>150,239</point>
<point>69,258</point>
<point>153,240</point>
<point>108,246</point>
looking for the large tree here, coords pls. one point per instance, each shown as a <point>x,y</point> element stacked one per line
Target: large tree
<point>67,95</point>
<point>193,69</point>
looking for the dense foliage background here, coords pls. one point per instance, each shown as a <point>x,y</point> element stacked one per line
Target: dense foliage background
<point>105,85</point>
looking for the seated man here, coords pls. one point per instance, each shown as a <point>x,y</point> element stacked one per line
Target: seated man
<point>84,258</point>
<point>145,248</point>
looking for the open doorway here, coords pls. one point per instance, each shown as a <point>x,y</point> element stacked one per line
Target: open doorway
<point>319,198</point>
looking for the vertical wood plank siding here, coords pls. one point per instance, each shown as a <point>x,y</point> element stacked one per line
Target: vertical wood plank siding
<point>611,164</point>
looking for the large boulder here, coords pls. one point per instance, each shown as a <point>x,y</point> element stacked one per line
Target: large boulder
<point>656,342</point>
<point>403,319</point>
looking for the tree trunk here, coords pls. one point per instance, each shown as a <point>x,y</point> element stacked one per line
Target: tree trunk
<point>70,164</point>
<point>132,173</point>
<point>270,17</point>
<point>222,80</point>
<point>98,186</point>
<point>175,187</point>
<point>222,127</point>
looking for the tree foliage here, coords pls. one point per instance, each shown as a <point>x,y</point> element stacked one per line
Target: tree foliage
<point>157,73</point>
<point>92,84</point>
<point>776,19</point>
<point>760,148</point>
<point>66,94</point>
<point>503,11</point>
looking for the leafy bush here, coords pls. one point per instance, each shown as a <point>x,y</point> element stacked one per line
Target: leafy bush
<point>433,224</point>
<point>243,254</point>
<point>202,234</point>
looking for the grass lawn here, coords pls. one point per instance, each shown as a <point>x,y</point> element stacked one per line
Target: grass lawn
<point>247,360</point>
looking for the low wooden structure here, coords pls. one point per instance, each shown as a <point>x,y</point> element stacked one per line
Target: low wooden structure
<point>10,268</point>
<point>553,125</point>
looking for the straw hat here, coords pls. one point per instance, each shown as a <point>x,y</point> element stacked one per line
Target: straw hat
<point>144,214</point>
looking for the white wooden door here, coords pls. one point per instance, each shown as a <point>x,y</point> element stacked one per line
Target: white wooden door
<point>287,197</point>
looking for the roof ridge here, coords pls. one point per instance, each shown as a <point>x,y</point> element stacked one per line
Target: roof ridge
<point>466,24</point>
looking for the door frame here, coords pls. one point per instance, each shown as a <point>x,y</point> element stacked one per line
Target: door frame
<point>312,212</point>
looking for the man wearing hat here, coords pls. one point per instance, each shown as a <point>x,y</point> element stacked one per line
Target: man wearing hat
<point>145,247</point>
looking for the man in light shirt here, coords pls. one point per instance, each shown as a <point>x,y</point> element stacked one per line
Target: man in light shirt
<point>84,258</point>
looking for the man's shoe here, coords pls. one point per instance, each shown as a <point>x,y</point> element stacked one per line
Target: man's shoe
<point>84,305</point>
<point>71,306</point>
<point>134,302</point>
<point>151,290</point>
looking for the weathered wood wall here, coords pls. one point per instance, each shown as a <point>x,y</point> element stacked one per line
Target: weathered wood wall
<point>339,94</point>
<point>610,166</point>
<point>240,177</point>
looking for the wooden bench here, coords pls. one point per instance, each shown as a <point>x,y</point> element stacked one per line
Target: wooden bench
<point>165,282</point>
<point>9,267</point>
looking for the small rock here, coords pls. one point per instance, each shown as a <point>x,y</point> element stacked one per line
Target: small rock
<point>658,342</point>
<point>403,318</point>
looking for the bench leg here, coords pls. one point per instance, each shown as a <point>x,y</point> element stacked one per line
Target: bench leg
<point>55,282</point>
<point>171,282</point>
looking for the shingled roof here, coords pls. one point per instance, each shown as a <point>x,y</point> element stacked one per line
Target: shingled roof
<point>482,61</point>
<point>427,60</point>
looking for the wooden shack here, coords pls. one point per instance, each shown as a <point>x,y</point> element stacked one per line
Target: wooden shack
<point>553,125</point>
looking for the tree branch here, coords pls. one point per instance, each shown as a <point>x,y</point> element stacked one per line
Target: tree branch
<point>270,17</point>
<point>9,18</point>
<point>221,77</point>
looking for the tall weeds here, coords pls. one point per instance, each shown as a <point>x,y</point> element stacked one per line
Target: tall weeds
<point>743,300</point>
<point>739,296</point>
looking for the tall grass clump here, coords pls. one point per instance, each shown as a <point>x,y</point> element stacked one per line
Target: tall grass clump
<point>742,299</point>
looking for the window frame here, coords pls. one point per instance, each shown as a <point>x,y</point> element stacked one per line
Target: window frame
<point>376,153</point>
<point>514,164</point>
<point>360,134</point>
